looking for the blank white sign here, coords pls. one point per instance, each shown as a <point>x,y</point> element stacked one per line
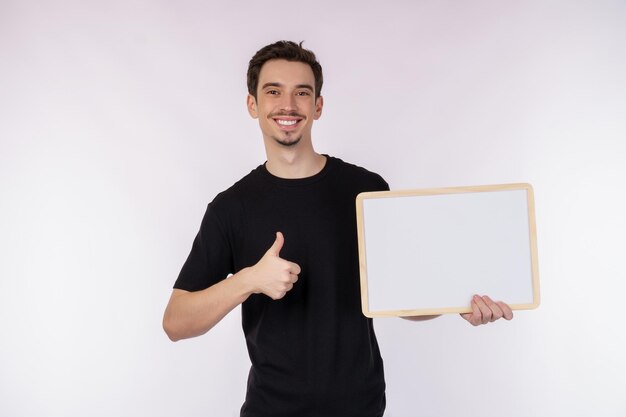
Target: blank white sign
<point>428,251</point>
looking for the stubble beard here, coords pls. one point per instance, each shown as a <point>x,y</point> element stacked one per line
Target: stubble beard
<point>287,141</point>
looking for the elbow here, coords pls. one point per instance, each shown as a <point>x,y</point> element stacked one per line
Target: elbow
<point>170,328</point>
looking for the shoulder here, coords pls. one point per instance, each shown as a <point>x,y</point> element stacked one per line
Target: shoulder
<point>230,201</point>
<point>244,186</point>
<point>368,180</point>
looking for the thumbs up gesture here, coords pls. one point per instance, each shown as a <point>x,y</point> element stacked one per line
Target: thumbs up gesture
<point>272,275</point>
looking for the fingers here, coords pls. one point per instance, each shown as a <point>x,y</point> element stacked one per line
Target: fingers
<point>475,317</point>
<point>274,250</point>
<point>485,313</point>
<point>294,268</point>
<point>485,310</point>
<point>506,310</point>
<point>277,245</point>
<point>494,308</point>
<point>273,275</point>
<point>280,289</point>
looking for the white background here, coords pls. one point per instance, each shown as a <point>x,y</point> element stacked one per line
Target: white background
<point>120,120</point>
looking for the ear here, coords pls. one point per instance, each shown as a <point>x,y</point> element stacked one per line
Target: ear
<point>319,103</point>
<point>252,107</point>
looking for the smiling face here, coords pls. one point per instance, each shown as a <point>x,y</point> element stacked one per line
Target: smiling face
<point>286,105</point>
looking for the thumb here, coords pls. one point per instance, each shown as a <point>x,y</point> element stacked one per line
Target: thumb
<point>277,245</point>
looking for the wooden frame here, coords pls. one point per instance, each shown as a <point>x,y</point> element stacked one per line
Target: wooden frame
<point>426,252</point>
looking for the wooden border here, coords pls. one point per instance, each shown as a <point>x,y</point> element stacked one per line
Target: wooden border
<point>435,191</point>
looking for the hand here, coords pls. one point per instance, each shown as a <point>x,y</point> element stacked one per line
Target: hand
<point>485,310</point>
<point>272,275</point>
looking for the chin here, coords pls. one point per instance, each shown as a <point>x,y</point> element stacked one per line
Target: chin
<point>288,142</point>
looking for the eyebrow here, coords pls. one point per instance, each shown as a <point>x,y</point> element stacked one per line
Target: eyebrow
<point>306,86</point>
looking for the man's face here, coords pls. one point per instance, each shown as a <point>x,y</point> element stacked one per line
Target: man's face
<point>285,105</point>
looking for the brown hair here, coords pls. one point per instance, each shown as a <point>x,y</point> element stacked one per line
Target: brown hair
<point>286,50</point>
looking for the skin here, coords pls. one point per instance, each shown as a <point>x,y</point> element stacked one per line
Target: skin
<point>484,310</point>
<point>285,93</point>
<point>282,95</point>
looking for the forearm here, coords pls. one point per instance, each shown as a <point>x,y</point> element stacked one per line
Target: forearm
<point>190,314</point>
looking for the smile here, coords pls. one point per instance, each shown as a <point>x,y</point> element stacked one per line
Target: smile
<point>286,122</point>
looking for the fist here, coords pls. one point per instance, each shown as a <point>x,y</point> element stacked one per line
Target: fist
<point>272,275</point>
<point>485,310</point>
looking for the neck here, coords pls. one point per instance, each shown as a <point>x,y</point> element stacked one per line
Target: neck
<point>292,163</point>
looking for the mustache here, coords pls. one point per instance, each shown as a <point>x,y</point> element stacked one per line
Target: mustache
<point>285,113</point>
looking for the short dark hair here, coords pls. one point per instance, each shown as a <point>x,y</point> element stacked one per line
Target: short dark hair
<point>286,50</point>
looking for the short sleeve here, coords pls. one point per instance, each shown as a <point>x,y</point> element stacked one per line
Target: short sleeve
<point>210,259</point>
<point>384,186</point>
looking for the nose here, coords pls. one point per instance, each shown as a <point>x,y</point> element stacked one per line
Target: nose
<point>288,102</point>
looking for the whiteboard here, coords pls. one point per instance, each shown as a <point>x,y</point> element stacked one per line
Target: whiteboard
<point>428,251</point>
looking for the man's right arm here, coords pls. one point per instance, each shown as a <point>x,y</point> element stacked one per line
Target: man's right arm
<point>190,314</point>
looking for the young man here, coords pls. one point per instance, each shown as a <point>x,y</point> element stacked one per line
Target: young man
<point>287,233</point>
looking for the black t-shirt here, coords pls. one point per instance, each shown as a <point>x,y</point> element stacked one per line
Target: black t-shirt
<point>313,352</point>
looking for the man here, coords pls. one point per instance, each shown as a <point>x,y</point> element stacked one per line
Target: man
<point>287,233</point>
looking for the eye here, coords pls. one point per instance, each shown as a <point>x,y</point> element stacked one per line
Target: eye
<point>303,93</point>
<point>272,92</point>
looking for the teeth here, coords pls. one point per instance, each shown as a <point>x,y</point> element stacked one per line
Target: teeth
<point>286,122</point>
